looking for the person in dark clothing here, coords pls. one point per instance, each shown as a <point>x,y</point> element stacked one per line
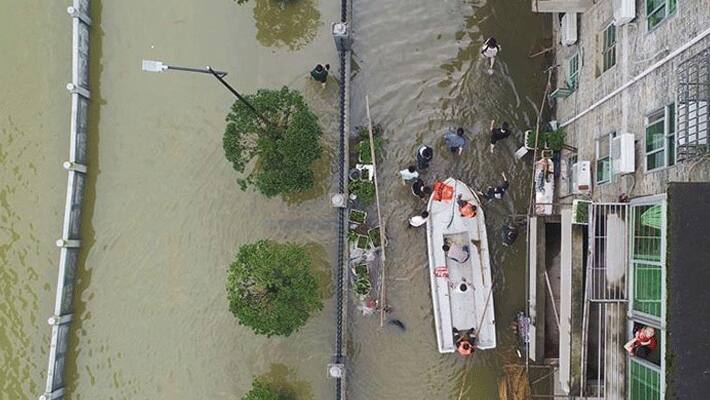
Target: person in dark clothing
<point>496,192</point>
<point>498,134</point>
<point>320,73</point>
<point>424,156</point>
<point>420,190</point>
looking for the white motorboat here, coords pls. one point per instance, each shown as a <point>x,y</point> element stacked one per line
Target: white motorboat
<point>461,290</point>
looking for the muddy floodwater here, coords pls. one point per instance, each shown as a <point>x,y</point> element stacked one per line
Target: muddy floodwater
<point>163,214</point>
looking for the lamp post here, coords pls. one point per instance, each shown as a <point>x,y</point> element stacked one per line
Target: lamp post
<point>159,66</point>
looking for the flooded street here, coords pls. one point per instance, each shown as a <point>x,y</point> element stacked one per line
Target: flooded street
<point>163,214</point>
<point>421,67</point>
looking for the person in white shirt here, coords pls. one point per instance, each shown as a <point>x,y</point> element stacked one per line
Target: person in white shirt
<point>409,174</point>
<point>419,220</point>
<point>456,252</point>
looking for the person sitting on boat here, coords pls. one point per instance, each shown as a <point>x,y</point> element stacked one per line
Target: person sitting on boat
<point>409,174</point>
<point>424,156</point>
<point>466,208</point>
<point>496,192</point>
<point>420,190</point>
<point>643,343</point>
<point>456,252</point>
<point>465,342</point>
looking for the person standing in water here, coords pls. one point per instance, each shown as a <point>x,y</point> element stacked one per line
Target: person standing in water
<point>490,50</point>
<point>409,174</point>
<point>498,134</point>
<point>455,141</point>
<point>424,156</point>
<point>320,73</point>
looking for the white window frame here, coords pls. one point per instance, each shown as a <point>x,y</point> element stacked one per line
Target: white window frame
<point>666,134</point>
<point>597,145</point>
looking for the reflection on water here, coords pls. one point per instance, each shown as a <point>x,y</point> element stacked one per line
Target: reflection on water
<point>286,23</point>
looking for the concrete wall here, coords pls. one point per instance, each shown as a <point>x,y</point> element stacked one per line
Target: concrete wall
<point>637,49</point>
<point>69,242</point>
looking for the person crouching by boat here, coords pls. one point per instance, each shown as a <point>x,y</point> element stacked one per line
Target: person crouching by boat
<point>424,157</point>
<point>465,342</point>
<point>466,208</point>
<point>418,220</point>
<point>420,190</point>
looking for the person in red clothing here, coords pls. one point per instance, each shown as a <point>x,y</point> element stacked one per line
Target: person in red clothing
<point>643,342</point>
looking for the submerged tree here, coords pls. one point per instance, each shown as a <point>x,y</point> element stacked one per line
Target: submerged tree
<point>285,23</point>
<point>262,390</point>
<point>270,288</point>
<point>284,149</point>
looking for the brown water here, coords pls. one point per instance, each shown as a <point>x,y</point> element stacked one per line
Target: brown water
<point>163,214</point>
<point>34,140</point>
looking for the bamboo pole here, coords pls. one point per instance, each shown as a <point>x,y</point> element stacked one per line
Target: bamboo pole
<point>379,213</point>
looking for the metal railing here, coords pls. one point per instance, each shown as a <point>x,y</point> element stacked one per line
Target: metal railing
<point>76,168</point>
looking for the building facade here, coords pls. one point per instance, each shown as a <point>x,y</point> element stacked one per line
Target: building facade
<point>632,96</point>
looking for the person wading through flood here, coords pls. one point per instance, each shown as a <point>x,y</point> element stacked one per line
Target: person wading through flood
<point>320,73</point>
<point>498,134</point>
<point>409,174</point>
<point>490,50</point>
<point>496,192</point>
<point>424,156</point>
<point>455,141</point>
<point>420,190</point>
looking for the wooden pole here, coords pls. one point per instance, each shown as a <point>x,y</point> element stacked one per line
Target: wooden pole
<point>379,214</point>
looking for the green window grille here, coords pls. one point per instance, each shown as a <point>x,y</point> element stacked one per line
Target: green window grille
<point>658,10</point>
<point>609,47</point>
<point>645,382</point>
<point>647,258</point>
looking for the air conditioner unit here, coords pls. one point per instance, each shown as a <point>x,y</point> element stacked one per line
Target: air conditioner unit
<point>623,154</point>
<point>581,177</point>
<point>624,11</point>
<point>568,30</point>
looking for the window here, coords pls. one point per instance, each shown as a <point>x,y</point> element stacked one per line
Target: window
<point>603,160</point>
<point>660,138</point>
<point>571,179</point>
<point>644,381</point>
<point>573,72</point>
<point>609,47</point>
<point>658,10</point>
<point>647,258</point>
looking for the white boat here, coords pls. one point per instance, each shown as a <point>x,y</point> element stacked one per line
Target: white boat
<point>461,291</point>
<point>544,186</point>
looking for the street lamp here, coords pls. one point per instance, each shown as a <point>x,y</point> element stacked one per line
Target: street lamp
<point>159,66</point>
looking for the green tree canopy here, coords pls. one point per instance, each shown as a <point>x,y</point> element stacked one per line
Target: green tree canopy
<point>283,151</point>
<point>270,287</point>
